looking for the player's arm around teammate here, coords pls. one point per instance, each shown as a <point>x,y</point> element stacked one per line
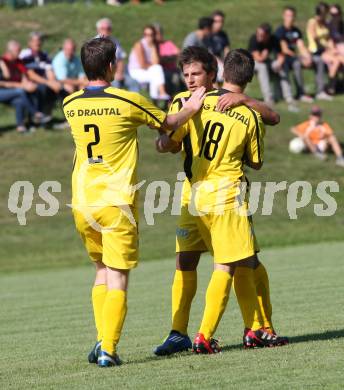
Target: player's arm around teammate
<point>269,116</point>
<point>199,69</point>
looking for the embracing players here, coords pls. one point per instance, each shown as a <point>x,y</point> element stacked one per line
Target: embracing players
<point>206,159</point>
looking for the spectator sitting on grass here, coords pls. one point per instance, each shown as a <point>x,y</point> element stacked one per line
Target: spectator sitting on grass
<point>336,26</point>
<point>315,136</point>
<point>296,57</point>
<point>198,37</point>
<point>218,42</point>
<point>321,45</point>
<point>168,53</point>
<point>68,69</point>
<point>104,29</point>
<point>16,89</point>
<point>144,64</point>
<point>40,71</point>
<point>266,52</point>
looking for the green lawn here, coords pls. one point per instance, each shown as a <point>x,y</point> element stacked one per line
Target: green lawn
<point>47,329</point>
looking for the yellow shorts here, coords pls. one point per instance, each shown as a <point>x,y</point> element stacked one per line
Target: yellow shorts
<point>110,235</point>
<point>188,237</point>
<point>229,236</point>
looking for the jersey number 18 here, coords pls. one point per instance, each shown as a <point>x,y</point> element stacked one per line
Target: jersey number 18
<point>210,152</point>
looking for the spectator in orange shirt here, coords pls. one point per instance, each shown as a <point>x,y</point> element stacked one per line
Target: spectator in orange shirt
<point>316,136</point>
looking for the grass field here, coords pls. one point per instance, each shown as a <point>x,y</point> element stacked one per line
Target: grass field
<point>46,329</point>
<point>46,326</point>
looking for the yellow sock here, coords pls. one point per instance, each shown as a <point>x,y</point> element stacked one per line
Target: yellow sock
<point>245,290</point>
<point>215,302</point>
<point>114,312</point>
<point>98,298</point>
<point>263,291</point>
<point>183,291</point>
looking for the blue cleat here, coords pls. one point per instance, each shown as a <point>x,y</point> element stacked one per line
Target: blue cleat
<point>107,360</point>
<point>93,355</point>
<point>175,342</point>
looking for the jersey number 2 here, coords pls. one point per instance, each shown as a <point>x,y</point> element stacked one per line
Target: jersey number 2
<point>210,152</point>
<point>91,159</point>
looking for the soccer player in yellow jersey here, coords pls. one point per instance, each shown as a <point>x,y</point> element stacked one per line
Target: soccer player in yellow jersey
<point>104,123</point>
<point>197,66</point>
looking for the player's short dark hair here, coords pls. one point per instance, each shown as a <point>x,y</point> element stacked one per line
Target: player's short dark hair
<point>198,54</point>
<point>218,12</point>
<point>205,22</point>
<point>238,67</point>
<point>96,55</point>
<point>290,8</point>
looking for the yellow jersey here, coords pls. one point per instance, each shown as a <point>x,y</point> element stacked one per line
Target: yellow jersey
<point>104,123</point>
<point>175,107</point>
<point>216,148</point>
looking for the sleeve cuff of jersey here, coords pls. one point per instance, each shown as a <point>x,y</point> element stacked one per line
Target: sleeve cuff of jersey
<point>174,136</point>
<point>255,160</point>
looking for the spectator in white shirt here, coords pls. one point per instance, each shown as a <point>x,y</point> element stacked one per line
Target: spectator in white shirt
<point>144,64</point>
